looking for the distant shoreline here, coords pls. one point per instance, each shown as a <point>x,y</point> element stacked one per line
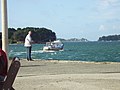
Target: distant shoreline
<point>63,42</point>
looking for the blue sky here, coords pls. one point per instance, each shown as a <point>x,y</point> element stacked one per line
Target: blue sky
<point>88,19</point>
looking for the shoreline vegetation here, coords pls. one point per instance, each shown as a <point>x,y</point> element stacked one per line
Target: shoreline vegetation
<point>43,35</point>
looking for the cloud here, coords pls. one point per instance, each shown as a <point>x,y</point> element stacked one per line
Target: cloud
<point>102,28</point>
<point>108,9</point>
<point>116,27</point>
<point>104,4</point>
<point>109,28</point>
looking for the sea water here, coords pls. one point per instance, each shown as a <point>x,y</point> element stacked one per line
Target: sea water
<point>75,51</point>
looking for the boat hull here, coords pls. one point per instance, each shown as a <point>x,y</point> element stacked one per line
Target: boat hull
<point>54,46</point>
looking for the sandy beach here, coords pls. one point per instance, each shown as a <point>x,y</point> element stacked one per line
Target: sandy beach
<point>64,75</point>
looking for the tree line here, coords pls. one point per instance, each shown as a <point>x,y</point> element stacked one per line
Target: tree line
<point>39,35</point>
<point>109,38</point>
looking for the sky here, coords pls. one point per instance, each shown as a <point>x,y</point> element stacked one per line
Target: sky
<point>88,19</point>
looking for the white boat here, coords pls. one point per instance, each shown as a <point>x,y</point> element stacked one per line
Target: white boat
<point>54,46</point>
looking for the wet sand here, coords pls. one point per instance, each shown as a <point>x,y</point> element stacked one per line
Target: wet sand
<point>65,75</point>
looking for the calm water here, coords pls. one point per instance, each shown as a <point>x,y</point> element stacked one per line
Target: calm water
<point>80,51</point>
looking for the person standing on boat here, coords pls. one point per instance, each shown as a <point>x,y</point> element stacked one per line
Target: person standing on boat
<point>28,45</point>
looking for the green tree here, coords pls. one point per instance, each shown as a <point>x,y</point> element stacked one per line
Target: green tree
<point>39,35</point>
<point>109,38</point>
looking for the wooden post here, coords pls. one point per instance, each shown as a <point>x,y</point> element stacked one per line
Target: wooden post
<point>4,26</point>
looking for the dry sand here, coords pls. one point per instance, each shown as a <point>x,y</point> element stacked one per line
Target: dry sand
<point>64,75</point>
